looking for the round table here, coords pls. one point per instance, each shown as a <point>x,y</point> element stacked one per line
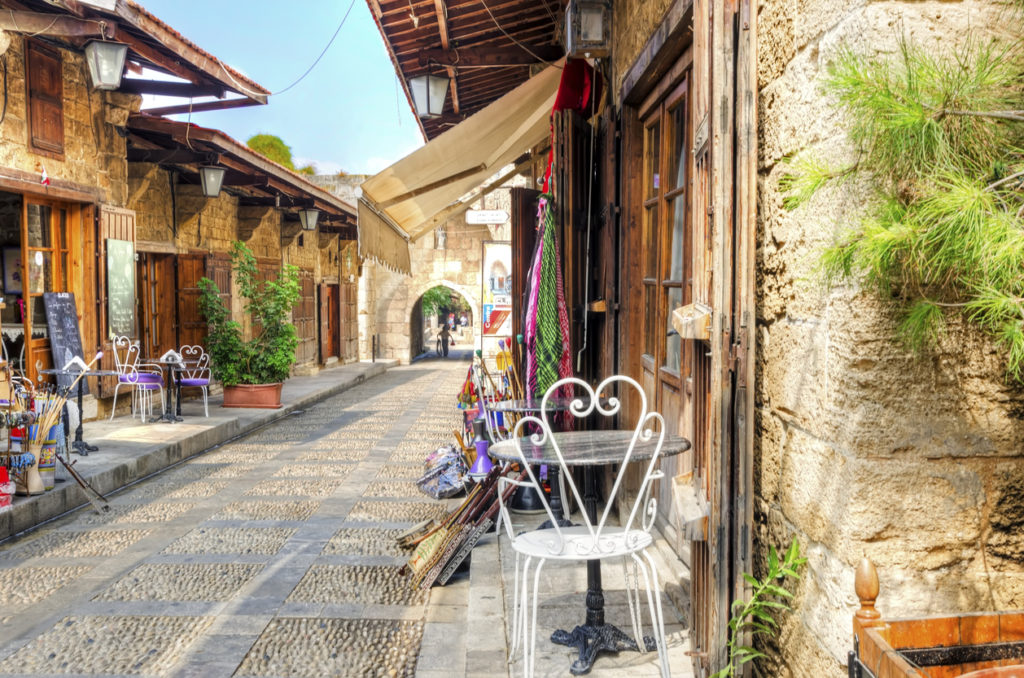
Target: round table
<point>532,406</point>
<point>591,450</point>
<point>83,448</point>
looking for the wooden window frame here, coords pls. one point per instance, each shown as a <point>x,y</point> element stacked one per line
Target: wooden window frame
<point>33,97</point>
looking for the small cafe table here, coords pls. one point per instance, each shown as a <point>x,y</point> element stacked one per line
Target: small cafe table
<point>78,444</point>
<point>532,406</point>
<point>170,365</point>
<point>591,450</point>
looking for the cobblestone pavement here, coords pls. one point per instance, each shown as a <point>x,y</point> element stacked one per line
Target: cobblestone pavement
<point>271,556</point>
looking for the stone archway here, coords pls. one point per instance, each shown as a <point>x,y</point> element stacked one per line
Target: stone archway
<point>406,306</point>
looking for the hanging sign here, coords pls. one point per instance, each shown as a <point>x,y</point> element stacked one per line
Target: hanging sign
<point>479,217</point>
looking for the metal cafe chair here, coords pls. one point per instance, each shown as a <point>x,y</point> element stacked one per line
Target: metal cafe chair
<point>140,378</point>
<point>196,373</point>
<point>593,540</point>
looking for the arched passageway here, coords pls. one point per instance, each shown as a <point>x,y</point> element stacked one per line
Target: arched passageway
<point>437,307</point>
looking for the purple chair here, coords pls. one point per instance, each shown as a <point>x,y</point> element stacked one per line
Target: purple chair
<point>141,378</point>
<point>196,373</point>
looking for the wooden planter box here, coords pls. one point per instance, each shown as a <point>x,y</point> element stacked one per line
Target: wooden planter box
<point>976,645</point>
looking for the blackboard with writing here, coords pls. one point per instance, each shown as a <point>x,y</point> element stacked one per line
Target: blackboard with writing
<point>65,339</point>
<point>120,287</point>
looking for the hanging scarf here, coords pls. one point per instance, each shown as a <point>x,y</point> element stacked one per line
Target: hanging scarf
<point>551,354</point>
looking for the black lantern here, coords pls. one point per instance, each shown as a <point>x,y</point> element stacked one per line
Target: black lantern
<point>308,219</point>
<point>588,28</point>
<point>211,177</point>
<point>106,62</point>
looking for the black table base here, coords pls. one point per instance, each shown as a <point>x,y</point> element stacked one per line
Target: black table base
<point>168,414</point>
<point>591,640</point>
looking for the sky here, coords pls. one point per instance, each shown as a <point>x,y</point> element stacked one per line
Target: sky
<point>348,114</point>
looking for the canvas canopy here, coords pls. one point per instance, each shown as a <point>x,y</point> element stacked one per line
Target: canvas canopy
<point>404,202</point>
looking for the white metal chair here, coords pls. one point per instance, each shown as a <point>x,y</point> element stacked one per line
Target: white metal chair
<point>592,540</point>
<point>140,377</point>
<point>196,373</point>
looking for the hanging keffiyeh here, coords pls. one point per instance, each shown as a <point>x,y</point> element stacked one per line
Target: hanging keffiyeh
<point>549,357</point>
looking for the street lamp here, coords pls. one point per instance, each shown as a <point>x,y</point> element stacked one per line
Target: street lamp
<point>588,28</point>
<point>106,62</point>
<point>308,218</point>
<point>211,177</point>
<point>428,94</point>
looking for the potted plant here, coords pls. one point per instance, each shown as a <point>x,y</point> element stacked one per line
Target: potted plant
<point>252,371</point>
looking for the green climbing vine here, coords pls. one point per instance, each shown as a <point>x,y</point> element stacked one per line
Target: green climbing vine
<point>939,138</point>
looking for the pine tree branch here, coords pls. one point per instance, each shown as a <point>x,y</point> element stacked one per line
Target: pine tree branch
<point>1015,116</point>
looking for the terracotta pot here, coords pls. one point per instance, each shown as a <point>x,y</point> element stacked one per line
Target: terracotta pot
<point>265,396</point>
<point>999,672</point>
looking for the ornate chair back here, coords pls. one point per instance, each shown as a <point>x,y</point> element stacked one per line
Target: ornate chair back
<point>197,362</point>
<point>649,430</point>
<point>126,359</point>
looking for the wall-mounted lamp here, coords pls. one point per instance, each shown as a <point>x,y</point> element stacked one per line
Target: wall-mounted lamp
<point>308,219</point>
<point>211,177</point>
<point>588,25</point>
<point>106,62</point>
<point>428,94</point>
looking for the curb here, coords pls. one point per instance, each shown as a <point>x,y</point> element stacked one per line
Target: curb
<point>38,510</point>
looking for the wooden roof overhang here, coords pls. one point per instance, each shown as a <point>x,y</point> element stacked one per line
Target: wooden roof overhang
<point>486,47</point>
<point>254,179</point>
<point>152,45</point>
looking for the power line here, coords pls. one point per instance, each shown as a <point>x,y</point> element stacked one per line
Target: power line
<point>244,90</point>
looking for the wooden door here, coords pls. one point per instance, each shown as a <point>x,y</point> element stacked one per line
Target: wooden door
<point>45,260</point>
<point>191,326</point>
<point>156,308</point>
<point>334,320</point>
<point>118,224</point>
<point>349,324</point>
<point>304,319</point>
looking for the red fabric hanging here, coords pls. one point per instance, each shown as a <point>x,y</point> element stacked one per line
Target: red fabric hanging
<point>577,87</point>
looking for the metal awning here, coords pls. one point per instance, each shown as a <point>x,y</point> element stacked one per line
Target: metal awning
<point>399,204</point>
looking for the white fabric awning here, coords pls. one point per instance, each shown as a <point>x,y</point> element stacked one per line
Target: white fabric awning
<point>401,202</point>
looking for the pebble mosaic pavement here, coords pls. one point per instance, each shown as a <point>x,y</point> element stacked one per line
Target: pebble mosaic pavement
<point>270,556</point>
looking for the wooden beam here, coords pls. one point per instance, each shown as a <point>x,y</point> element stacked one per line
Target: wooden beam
<point>442,26</point>
<point>171,89</point>
<point>157,59</point>
<point>176,156</point>
<point>431,186</point>
<point>38,23</point>
<point>375,6</point>
<point>221,105</point>
<point>490,56</point>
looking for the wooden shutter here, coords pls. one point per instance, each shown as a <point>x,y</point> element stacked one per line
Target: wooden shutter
<point>349,321</point>
<point>45,83</point>
<point>304,318</point>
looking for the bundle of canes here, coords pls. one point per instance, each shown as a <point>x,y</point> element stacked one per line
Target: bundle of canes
<point>51,415</point>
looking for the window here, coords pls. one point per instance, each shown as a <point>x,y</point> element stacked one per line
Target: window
<point>665,256</point>
<point>44,81</point>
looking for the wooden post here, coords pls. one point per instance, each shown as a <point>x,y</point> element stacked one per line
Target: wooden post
<point>866,586</point>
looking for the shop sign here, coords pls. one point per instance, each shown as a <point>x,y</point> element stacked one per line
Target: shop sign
<point>480,217</point>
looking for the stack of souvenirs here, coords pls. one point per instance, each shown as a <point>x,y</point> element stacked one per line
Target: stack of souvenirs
<point>442,546</point>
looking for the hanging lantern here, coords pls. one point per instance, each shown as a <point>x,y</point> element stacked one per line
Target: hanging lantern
<point>428,94</point>
<point>308,218</point>
<point>211,177</point>
<point>588,28</point>
<point>106,63</point>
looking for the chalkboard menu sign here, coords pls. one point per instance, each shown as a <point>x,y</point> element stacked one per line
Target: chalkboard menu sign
<point>120,288</point>
<point>65,340</point>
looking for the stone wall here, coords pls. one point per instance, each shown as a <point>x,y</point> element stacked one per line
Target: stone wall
<point>386,299</point>
<point>861,449</point>
<point>94,154</point>
<point>633,23</point>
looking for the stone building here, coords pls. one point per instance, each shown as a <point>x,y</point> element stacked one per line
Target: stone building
<point>807,418</point>
<point>84,170</point>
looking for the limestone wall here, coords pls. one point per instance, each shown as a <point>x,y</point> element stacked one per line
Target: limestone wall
<point>633,23</point>
<point>94,154</point>
<point>860,448</point>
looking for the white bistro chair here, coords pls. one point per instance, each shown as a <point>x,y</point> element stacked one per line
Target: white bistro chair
<point>598,540</point>
<point>197,372</point>
<point>140,377</point>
